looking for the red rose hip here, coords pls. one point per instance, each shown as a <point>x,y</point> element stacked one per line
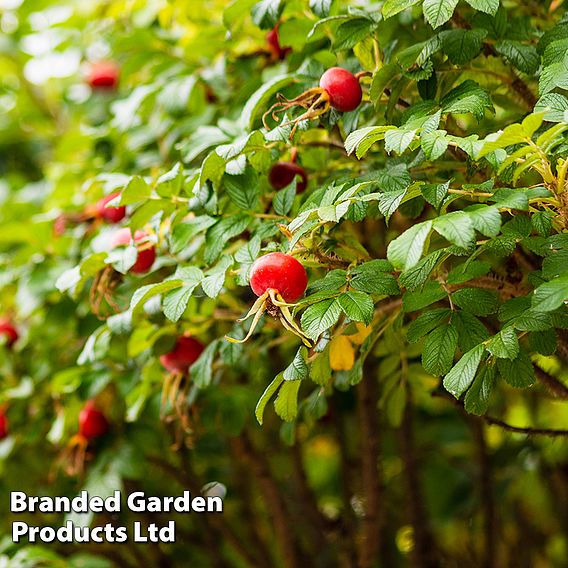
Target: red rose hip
<point>280,272</point>
<point>92,422</point>
<point>185,352</point>
<point>146,251</point>
<point>282,174</point>
<point>343,89</point>
<point>109,214</point>
<point>103,76</point>
<point>4,430</point>
<point>273,41</point>
<point>8,332</point>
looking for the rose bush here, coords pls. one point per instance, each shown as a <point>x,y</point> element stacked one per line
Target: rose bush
<point>410,407</point>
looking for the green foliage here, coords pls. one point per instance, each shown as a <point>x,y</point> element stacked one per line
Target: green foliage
<point>433,230</point>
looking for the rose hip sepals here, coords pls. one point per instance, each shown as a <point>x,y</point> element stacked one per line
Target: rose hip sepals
<point>92,424</point>
<point>178,361</point>
<point>338,88</point>
<point>278,280</point>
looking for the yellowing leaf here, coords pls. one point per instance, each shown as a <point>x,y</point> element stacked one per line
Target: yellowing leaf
<point>341,354</point>
<point>363,331</point>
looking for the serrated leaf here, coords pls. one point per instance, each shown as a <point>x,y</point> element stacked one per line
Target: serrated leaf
<point>321,8</point>
<point>142,295</point>
<point>504,345</point>
<point>266,396</point>
<point>434,144</point>
<point>476,301</point>
<point>554,105</point>
<point>485,218</point>
<point>298,369</point>
<point>461,46</point>
<point>266,13</point>
<point>416,276</point>
<point>405,251</point>
<point>523,57</point>
<point>438,12</point>
<point>398,140</point>
<point>373,278</point>
<point>286,404</point>
<point>551,295</point>
<point>439,349</point>
<point>284,199</point>
<point>477,397</point>
<point>518,372</point>
<point>201,372</point>
<point>319,317</point>
<point>458,380</point>
<point>456,227</point>
<point>357,306</point>
<point>488,6</point>
<point>136,190</point>
<point>393,7</point>
<point>468,97</point>
<point>351,32</point>
<point>425,323</point>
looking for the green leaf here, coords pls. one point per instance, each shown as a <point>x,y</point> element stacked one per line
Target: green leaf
<point>468,97</point>
<point>298,369</point>
<point>357,306</point>
<point>361,140</point>
<point>456,227</point>
<point>439,349</point>
<point>476,301</point>
<point>416,276</point>
<point>504,345</point>
<point>524,57</point>
<point>258,100</point>
<point>551,295</point>
<point>554,105</point>
<point>266,13</point>
<point>201,372</point>
<point>142,295</point>
<point>477,397</point>
<point>171,182</point>
<point>266,396</point>
<point>286,404</point>
<point>398,140</point>
<point>332,281</point>
<point>471,331</point>
<point>419,299</point>
<point>518,372</point>
<point>184,233</point>
<point>485,218</point>
<point>458,380</point>
<point>487,6</point>
<point>136,190</point>
<point>434,144</point>
<point>425,323</point>
<point>405,251</point>
<point>461,46</point>
<point>321,8</point>
<point>221,233</point>
<point>373,278</point>
<point>320,317</point>
<point>438,12</point>
<point>543,342</point>
<point>320,369</point>
<point>394,7</point>
<point>213,282</point>
<point>284,199</point>
<point>175,302</point>
<point>243,189</point>
<point>351,32</point>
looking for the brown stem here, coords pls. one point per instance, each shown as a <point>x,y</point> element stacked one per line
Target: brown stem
<point>551,433</point>
<point>187,479</point>
<point>558,389</point>
<point>490,526</point>
<point>372,526</point>
<point>283,525</point>
<point>423,553</point>
<point>308,503</point>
